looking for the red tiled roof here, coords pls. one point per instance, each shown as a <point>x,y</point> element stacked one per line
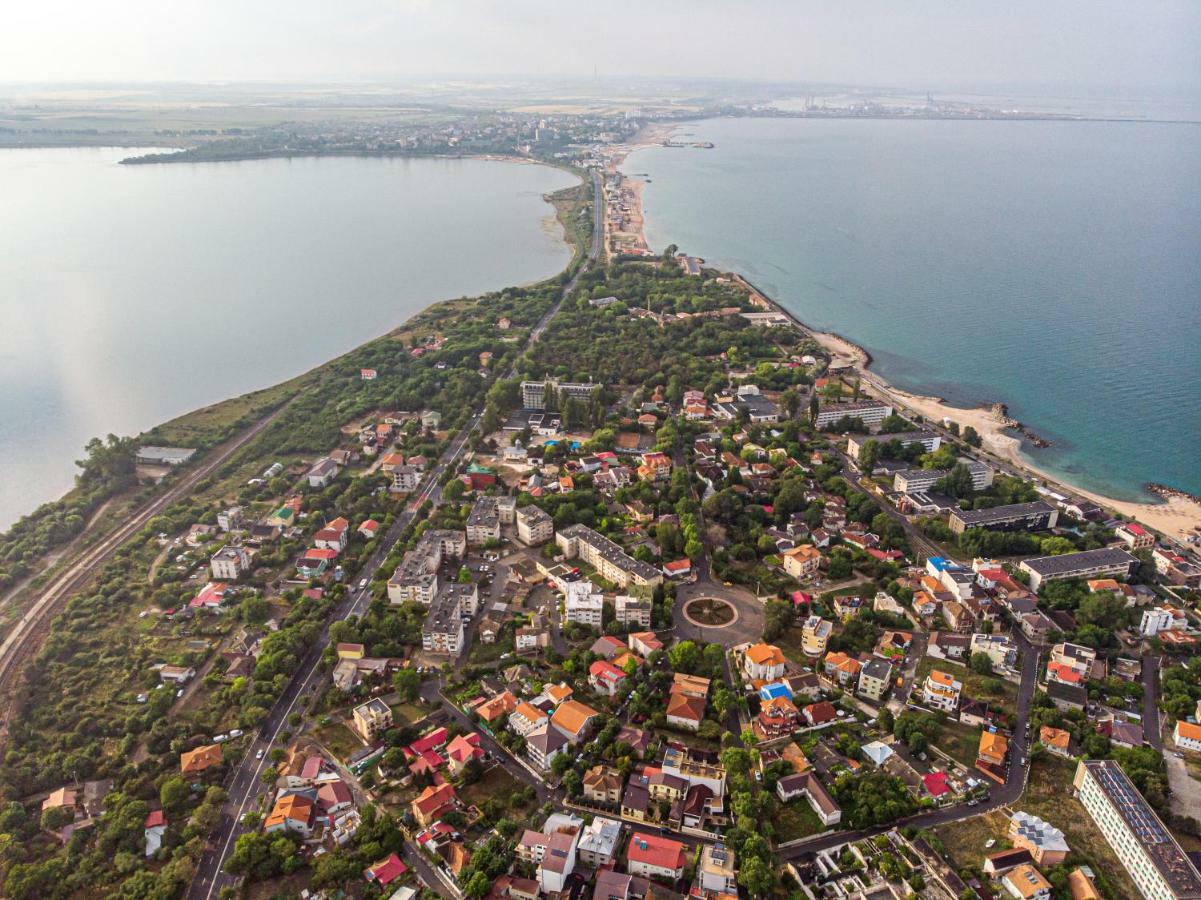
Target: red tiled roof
<point>656,851</point>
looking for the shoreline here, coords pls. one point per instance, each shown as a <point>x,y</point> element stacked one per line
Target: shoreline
<point>1175,514</point>
<point>565,235</point>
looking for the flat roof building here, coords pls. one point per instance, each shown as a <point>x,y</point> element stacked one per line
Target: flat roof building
<point>613,563</point>
<point>869,412</point>
<point>1036,516</point>
<point>1157,864</point>
<point>1086,564</point>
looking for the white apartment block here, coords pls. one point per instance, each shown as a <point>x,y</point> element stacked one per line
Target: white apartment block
<point>534,526</point>
<point>610,561</point>
<point>1155,861</point>
<point>584,603</point>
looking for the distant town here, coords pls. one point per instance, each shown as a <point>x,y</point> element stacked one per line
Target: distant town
<point>622,585</point>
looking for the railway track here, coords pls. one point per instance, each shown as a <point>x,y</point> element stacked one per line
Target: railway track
<point>22,637</point>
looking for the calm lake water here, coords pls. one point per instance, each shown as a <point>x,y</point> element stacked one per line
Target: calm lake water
<point>131,294</point>
<point>1052,266</point>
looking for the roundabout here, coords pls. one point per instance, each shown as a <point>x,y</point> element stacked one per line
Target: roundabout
<point>710,612</point>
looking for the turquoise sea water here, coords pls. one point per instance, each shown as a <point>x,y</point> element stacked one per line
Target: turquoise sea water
<point>1052,266</point>
<point>131,294</point>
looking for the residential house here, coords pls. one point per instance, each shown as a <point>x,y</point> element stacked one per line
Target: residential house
<point>193,762</point>
<point>777,718</point>
<point>526,718</point>
<point>802,562</point>
<point>1026,883</point>
<point>371,719</point>
<point>654,856</point>
<point>941,691</point>
<point>605,678</point>
<point>815,635</point>
<point>230,562</point>
<point>433,803</point>
<point>543,744</point>
<point>1046,843</point>
<point>684,711</point>
<point>602,784</point>
<point>292,812</point>
<point>717,872</point>
<point>809,786</point>
<point>842,669</point>
<point>597,846</point>
<point>875,678</point>
<point>763,662</point>
<point>574,720</point>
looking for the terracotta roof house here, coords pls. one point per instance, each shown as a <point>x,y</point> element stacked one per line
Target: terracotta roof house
<point>1056,740</point>
<point>602,785</point>
<point>500,705</point>
<point>685,711</point>
<point>763,662</point>
<point>194,761</point>
<point>432,803</point>
<point>820,713</point>
<point>292,812</point>
<point>573,719</point>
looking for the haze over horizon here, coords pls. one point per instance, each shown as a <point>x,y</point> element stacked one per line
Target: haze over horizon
<point>1118,48</point>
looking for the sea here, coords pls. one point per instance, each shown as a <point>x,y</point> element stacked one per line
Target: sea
<point>1052,266</point>
<point>132,294</point>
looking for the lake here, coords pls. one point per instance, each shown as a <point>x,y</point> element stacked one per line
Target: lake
<point>132,294</point>
<point>1052,266</point>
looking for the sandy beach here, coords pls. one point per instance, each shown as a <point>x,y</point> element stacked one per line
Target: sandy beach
<point>1177,517</point>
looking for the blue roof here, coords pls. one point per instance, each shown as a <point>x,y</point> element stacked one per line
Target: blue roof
<point>938,562</point>
<point>772,691</point>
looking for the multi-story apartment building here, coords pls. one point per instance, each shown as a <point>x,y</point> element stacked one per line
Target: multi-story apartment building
<point>633,612</point>
<point>534,526</point>
<point>869,412</point>
<point>912,480</point>
<point>416,578</point>
<point>1155,861</point>
<point>443,630</point>
<point>584,603</point>
<point>1036,516</point>
<point>815,635</point>
<point>1135,535</point>
<point>874,679</point>
<point>927,440</point>
<point>611,562</point>
<point>483,522</point>
<point>534,393</point>
<point>1085,564</point>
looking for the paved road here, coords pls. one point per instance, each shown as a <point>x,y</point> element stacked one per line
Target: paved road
<point>1002,795</point>
<point>1151,722</point>
<point>921,545</point>
<point>244,784</point>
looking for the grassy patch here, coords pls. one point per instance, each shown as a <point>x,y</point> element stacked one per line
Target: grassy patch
<point>965,840</point>
<point>989,688</point>
<point>960,742</point>
<point>790,645</point>
<point>796,820</point>
<point>408,713</point>
<point>338,739</point>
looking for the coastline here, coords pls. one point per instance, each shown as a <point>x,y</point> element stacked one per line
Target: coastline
<point>1176,516</point>
<point>555,212</point>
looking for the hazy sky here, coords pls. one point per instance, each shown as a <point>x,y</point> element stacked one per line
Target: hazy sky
<point>918,43</point>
